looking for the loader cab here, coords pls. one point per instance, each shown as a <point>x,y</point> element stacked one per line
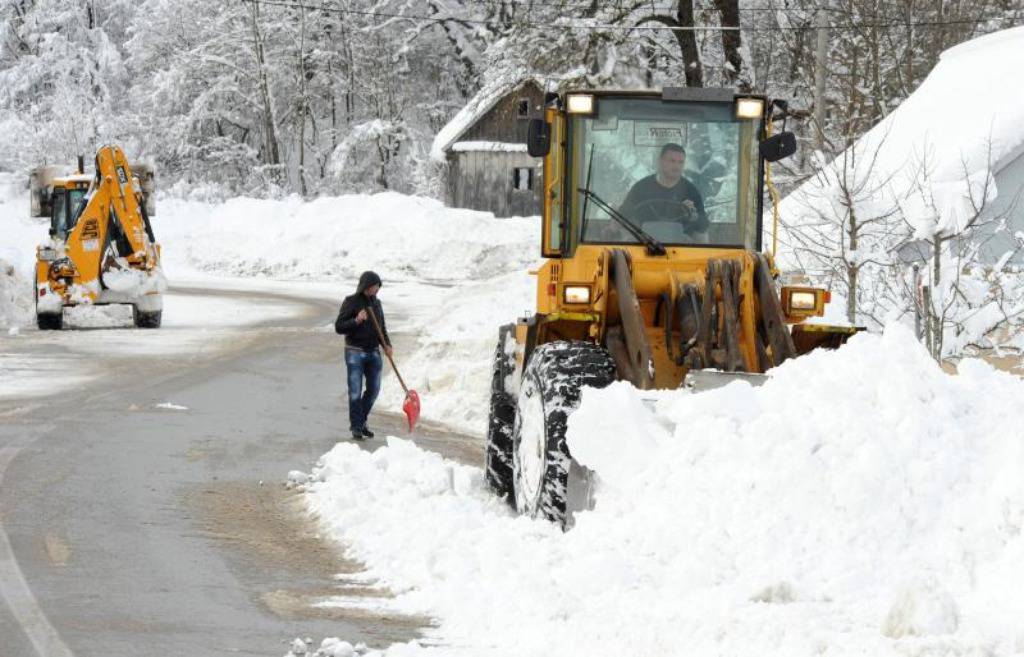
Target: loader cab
<point>682,164</point>
<point>67,200</point>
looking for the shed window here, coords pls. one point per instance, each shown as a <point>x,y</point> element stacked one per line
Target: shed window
<point>522,179</point>
<point>523,108</point>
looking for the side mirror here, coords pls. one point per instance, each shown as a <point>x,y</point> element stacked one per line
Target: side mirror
<point>778,147</point>
<point>538,138</point>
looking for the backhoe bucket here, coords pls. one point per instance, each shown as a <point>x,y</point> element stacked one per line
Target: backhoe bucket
<point>411,406</point>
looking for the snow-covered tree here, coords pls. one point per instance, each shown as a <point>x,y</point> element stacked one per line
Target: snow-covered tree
<point>63,78</point>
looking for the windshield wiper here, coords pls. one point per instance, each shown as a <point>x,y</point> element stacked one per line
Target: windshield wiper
<point>654,247</point>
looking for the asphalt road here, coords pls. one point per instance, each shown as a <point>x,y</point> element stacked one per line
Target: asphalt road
<point>127,528</point>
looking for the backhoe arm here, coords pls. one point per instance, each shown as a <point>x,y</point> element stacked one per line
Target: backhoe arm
<point>113,222</point>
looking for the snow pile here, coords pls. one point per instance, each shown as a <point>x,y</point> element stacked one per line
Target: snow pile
<point>15,297</point>
<point>454,273</point>
<point>451,367</point>
<point>401,237</point>
<point>474,263</point>
<point>860,502</point>
<point>17,252</point>
<point>134,282</point>
<point>329,647</point>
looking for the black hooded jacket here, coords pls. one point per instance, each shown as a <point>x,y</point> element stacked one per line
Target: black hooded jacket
<point>362,336</point>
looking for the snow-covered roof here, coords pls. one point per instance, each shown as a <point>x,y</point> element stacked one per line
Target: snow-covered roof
<point>942,144</point>
<point>484,101</point>
<point>491,146</point>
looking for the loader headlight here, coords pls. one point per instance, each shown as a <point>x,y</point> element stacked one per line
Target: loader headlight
<point>800,302</point>
<point>579,104</point>
<point>749,108</point>
<point>576,294</point>
<point>46,253</point>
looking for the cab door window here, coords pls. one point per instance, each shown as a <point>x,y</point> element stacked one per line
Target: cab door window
<point>59,219</point>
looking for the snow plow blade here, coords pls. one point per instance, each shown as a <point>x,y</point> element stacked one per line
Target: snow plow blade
<point>701,380</point>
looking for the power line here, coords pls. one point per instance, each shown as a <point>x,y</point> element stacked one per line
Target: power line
<point>294,4</point>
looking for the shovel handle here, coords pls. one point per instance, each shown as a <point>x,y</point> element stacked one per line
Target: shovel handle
<point>383,341</point>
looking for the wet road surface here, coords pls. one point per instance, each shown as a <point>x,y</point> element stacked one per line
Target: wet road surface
<point>144,512</point>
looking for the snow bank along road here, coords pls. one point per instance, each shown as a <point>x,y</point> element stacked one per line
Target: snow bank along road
<point>861,502</point>
<point>141,499</point>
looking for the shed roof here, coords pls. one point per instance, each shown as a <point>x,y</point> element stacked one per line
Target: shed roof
<point>478,106</point>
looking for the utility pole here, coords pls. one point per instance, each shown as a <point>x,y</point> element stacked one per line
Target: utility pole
<point>821,55</point>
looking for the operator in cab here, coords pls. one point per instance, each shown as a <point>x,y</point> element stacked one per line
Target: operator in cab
<point>668,197</point>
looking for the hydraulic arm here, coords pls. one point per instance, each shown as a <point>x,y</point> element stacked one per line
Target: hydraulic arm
<point>112,225</point>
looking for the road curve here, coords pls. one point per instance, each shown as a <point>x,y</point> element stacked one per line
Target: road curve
<point>145,512</point>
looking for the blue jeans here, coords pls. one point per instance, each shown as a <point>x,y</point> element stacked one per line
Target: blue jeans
<point>360,365</point>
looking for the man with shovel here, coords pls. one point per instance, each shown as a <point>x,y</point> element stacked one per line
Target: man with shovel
<point>361,321</point>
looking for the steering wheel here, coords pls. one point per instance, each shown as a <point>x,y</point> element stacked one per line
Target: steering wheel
<point>658,207</point>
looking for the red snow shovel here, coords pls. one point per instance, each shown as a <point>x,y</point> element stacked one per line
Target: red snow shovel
<point>411,405</point>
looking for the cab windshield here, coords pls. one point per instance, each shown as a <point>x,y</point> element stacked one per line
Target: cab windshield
<point>686,173</point>
<point>67,206</point>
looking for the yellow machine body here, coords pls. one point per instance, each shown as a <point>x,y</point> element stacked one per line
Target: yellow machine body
<point>657,279</point>
<point>101,248</point>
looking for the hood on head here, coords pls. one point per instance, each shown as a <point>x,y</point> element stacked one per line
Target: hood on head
<point>367,280</point>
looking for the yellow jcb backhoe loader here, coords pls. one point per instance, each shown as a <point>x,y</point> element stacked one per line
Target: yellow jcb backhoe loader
<point>101,248</point>
<point>651,231</point>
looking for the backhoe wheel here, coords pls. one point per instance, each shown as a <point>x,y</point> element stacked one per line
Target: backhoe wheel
<point>146,320</point>
<point>47,321</point>
<point>548,483</point>
<point>50,321</point>
<point>498,453</point>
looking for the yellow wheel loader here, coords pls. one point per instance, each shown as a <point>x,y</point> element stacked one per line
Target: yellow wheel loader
<point>653,272</point>
<point>101,248</point>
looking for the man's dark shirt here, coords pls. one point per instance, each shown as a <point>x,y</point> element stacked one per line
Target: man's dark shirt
<point>649,200</point>
<point>363,335</point>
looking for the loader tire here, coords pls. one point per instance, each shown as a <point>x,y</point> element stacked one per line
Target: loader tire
<point>498,452</point>
<point>146,320</point>
<point>548,483</point>
<point>50,321</point>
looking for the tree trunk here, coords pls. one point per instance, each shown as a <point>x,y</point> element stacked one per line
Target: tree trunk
<point>731,41</point>
<point>933,312</point>
<point>852,268</point>
<point>687,40</point>
<point>303,103</point>
<point>271,149</point>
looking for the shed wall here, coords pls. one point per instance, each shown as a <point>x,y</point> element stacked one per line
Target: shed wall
<point>484,181</point>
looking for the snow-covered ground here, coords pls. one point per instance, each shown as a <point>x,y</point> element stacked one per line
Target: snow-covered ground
<point>861,502</point>
<point>451,276</point>
<point>35,364</point>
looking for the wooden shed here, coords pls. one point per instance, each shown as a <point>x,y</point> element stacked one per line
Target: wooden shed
<point>484,148</point>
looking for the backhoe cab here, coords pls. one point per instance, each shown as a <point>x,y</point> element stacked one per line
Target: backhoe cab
<point>651,230</point>
<point>101,248</point>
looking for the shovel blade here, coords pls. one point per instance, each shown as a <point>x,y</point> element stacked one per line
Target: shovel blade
<point>411,407</point>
